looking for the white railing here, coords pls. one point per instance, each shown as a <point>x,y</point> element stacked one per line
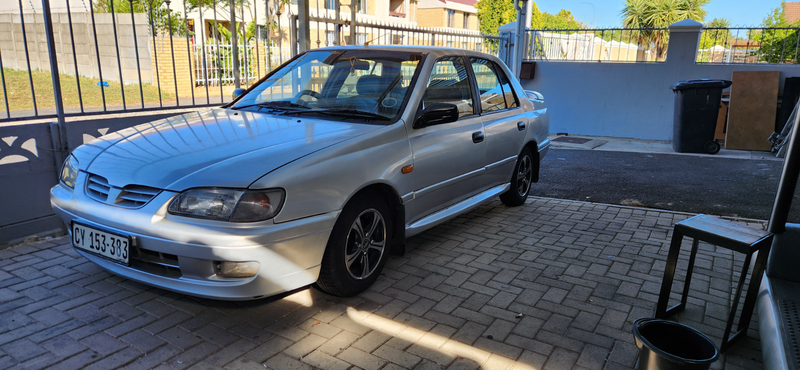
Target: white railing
<point>213,64</point>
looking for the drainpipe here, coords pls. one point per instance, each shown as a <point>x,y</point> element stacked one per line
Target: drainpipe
<point>523,19</point>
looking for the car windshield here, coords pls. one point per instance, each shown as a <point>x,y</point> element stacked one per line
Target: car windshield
<point>368,85</point>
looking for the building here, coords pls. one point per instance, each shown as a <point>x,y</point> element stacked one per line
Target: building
<point>791,11</point>
<point>452,14</point>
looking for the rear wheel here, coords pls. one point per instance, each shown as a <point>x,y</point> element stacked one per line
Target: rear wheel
<point>520,181</point>
<point>357,248</point>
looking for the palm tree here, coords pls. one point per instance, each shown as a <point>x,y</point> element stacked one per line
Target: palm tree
<point>650,14</point>
<point>716,33</point>
<point>693,9</point>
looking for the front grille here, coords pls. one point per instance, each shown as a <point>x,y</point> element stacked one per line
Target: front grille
<point>130,196</point>
<point>134,196</point>
<point>98,188</point>
<point>157,263</point>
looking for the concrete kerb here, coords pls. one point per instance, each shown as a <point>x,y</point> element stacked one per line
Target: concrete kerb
<point>621,144</point>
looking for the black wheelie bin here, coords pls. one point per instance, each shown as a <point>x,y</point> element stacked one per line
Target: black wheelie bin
<point>696,110</point>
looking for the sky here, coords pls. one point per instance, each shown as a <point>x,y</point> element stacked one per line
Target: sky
<point>739,12</point>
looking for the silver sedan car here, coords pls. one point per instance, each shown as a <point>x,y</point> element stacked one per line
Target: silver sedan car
<point>314,175</point>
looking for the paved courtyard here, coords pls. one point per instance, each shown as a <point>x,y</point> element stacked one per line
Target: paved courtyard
<point>550,285</point>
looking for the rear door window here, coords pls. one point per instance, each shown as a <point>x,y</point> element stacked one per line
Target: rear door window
<point>493,86</point>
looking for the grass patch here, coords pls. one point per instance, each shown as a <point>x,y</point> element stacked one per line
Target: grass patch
<point>19,92</point>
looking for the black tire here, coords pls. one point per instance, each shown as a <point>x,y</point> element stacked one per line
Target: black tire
<point>338,278</point>
<point>712,147</point>
<point>521,180</point>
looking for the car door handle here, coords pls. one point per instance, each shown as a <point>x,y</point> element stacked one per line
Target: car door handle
<point>477,137</point>
<point>521,125</point>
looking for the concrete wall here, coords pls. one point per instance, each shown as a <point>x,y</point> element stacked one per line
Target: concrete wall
<point>13,46</point>
<point>629,99</point>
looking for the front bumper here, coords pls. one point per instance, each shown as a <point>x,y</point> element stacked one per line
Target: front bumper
<point>289,254</point>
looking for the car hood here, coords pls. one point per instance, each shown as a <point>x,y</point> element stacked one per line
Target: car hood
<point>217,147</point>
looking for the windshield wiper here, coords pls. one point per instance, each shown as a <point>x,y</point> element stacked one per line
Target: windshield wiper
<point>275,105</point>
<point>345,113</point>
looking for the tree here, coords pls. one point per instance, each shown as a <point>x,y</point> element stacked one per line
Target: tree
<point>654,14</point>
<point>495,13</point>
<point>561,20</point>
<point>716,33</point>
<point>157,12</point>
<point>778,45</point>
<point>242,35</point>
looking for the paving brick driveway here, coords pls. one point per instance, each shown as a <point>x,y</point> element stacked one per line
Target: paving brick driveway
<point>553,284</point>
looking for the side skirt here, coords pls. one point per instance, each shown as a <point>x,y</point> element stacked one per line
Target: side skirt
<point>448,213</point>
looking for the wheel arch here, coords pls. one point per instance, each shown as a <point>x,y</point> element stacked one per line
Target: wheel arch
<point>392,198</point>
<point>534,148</point>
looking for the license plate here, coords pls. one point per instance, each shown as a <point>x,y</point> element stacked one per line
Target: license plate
<point>106,244</point>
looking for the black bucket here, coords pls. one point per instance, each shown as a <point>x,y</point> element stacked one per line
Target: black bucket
<point>669,345</point>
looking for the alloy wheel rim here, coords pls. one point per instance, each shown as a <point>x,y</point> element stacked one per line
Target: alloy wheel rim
<point>365,244</point>
<point>524,176</point>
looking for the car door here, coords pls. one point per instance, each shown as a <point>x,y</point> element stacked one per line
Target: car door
<point>505,123</point>
<point>449,158</point>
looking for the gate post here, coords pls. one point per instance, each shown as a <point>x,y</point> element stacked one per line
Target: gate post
<point>234,46</point>
<point>303,29</point>
<point>61,149</point>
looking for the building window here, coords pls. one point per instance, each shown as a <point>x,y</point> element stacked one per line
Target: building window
<point>361,6</point>
<point>449,44</point>
<point>451,18</point>
<point>330,38</point>
<point>466,21</point>
<point>397,39</point>
<point>464,45</point>
<point>330,4</point>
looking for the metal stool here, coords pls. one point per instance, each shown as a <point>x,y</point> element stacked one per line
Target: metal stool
<point>728,235</point>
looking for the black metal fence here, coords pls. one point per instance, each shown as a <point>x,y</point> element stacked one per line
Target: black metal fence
<point>142,55</point>
<point>616,45</point>
<point>749,45</point>
<point>330,28</point>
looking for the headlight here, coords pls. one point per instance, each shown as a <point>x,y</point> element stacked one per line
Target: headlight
<point>69,172</point>
<point>228,204</point>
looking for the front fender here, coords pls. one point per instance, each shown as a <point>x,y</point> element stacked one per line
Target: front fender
<point>324,181</point>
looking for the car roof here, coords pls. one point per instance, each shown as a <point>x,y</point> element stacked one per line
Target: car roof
<point>435,51</point>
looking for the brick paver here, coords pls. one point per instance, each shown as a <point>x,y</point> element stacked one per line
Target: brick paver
<point>550,285</point>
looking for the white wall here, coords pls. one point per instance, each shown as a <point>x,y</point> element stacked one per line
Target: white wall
<point>629,99</point>
<point>13,46</point>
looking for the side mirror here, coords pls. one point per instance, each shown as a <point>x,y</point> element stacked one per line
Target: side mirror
<point>437,114</point>
<point>238,92</point>
<point>534,95</point>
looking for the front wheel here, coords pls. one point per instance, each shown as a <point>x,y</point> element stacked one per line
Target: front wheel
<point>520,181</point>
<point>357,248</point>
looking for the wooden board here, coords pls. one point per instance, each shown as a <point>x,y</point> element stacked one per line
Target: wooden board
<point>722,117</point>
<point>754,101</point>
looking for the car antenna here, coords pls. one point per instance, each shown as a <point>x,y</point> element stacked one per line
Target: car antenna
<point>366,44</point>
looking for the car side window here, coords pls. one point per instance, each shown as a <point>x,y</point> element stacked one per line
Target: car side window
<point>511,99</point>
<point>493,85</point>
<point>449,83</point>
